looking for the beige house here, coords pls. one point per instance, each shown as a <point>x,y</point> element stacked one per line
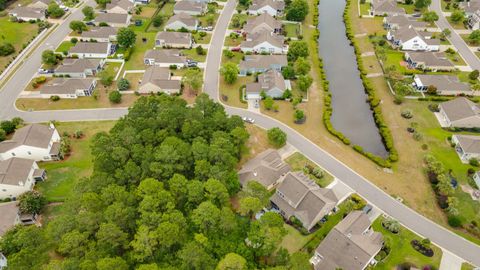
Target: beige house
<point>431,61</point>
<point>444,84</point>
<point>260,63</point>
<point>181,21</point>
<point>395,22</point>
<point>263,22</point>
<point>460,112</point>
<point>28,14</point>
<point>190,7</point>
<point>272,7</point>
<point>158,80</point>
<point>11,216</point>
<point>173,40</point>
<point>165,58</point>
<point>300,197</point>
<point>100,34</point>
<point>119,6</point>
<point>267,168</point>
<point>385,7</point>
<point>351,245</point>
<point>68,87</point>
<point>113,19</point>
<point>79,68</point>
<point>271,83</point>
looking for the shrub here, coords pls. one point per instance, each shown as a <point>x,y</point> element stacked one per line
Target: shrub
<point>158,20</point>
<point>398,99</point>
<point>78,134</point>
<point>433,107</point>
<point>473,162</point>
<point>123,84</point>
<point>54,98</point>
<point>200,50</point>
<point>6,49</point>
<point>407,114</point>
<point>454,221</point>
<point>277,137</point>
<point>3,135</point>
<point>115,97</point>
<point>473,75</point>
<point>417,136</point>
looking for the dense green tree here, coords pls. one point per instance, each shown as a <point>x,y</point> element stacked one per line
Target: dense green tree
<point>194,256</point>
<point>126,37</point>
<point>193,79</point>
<point>302,66</point>
<point>473,75</point>
<point>249,206</point>
<point>31,202</point>
<point>421,4</point>
<point>297,49</point>
<point>268,103</point>
<point>232,261</point>
<point>299,261</point>
<point>49,57</point>
<point>430,16</point>
<point>457,16</point>
<point>88,12</point>
<point>54,10</point>
<point>304,82</point>
<point>230,72</point>
<point>123,84</point>
<point>276,137</point>
<point>116,263</point>
<point>8,126</point>
<point>297,10</point>
<point>288,72</point>
<point>78,26</point>
<point>158,20</point>
<point>6,49</point>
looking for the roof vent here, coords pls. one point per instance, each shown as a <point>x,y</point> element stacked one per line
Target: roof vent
<point>349,235</point>
<point>254,173</point>
<point>20,183</point>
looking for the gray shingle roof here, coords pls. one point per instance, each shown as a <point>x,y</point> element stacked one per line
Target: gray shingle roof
<point>124,4</point>
<point>15,171</point>
<point>187,5</point>
<point>276,4</point>
<point>160,77</point>
<point>99,32</point>
<point>28,12</point>
<point>90,47</point>
<point>185,18</point>
<point>59,86</point>
<point>71,65</point>
<point>174,37</point>
<point>266,81</point>
<point>386,6</point>
<point>263,36</point>
<point>111,18</point>
<point>460,108</point>
<point>266,168</point>
<point>263,61</point>
<point>262,22</point>
<point>469,143</point>
<point>430,59</point>
<point>166,56</point>
<point>443,82</point>
<point>9,212</point>
<point>35,135</point>
<point>347,246</point>
<point>401,20</point>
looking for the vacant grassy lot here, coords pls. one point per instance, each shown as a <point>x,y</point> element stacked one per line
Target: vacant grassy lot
<point>192,54</point>
<point>456,25</point>
<point>10,33</point>
<point>202,40</point>
<point>233,41</point>
<point>371,64</point>
<point>208,19</point>
<point>230,93</point>
<point>292,29</point>
<point>402,251</point>
<point>64,47</point>
<point>365,8</point>
<point>145,41</point>
<point>241,18</point>
<point>237,57</point>
<point>257,143</point>
<point>64,175</point>
<point>298,162</point>
<point>112,68</point>
<point>134,79</point>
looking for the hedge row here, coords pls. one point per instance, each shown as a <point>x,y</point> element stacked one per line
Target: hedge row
<point>372,99</point>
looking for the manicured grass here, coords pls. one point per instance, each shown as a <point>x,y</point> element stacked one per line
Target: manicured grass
<point>237,58</point>
<point>467,266</point>
<point>455,25</point>
<point>396,58</point>
<point>112,68</point>
<point>64,47</point>
<point>294,240</point>
<point>202,40</point>
<point>409,9</point>
<point>192,54</point>
<point>134,79</point>
<point>465,38</point>
<point>232,91</point>
<point>365,8</point>
<point>257,143</point>
<point>166,12</point>
<point>371,65</point>
<point>242,18</point>
<point>292,29</point>
<point>16,34</point>
<point>402,251</point>
<point>233,42</point>
<point>64,175</point>
<point>298,162</point>
<point>456,59</point>
<point>138,51</point>
<point>203,20</point>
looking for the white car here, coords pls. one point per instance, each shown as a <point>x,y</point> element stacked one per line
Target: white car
<point>248,120</point>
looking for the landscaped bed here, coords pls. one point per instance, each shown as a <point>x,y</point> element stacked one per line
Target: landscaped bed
<point>299,162</point>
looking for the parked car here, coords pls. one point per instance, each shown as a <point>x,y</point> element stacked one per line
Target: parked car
<point>367,209</point>
<point>191,63</point>
<point>138,22</point>
<point>45,71</point>
<point>90,23</point>
<point>248,120</point>
<point>209,28</point>
<point>236,49</point>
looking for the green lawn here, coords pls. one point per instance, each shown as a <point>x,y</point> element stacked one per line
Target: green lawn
<point>112,68</point>
<point>232,91</point>
<point>409,9</point>
<point>237,57</point>
<point>202,40</point>
<point>294,240</point>
<point>16,34</point>
<point>64,175</point>
<point>136,57</point>
<point>233,42</point>
<point>204,20</point>
<point>365,8</point>
<point>64,47</point>
<point>192,54</point>
<point>298,162</point>
<point>402,251</point>
<point>242,18</point>
<point>292,29</point>
<point>455,25</point>
<point>395,58</point>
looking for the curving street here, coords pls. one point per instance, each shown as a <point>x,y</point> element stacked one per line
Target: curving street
<point>457,41</point>
<point>409,218</point>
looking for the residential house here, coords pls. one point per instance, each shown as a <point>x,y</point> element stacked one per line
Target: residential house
<point>260,63</point>
<point>68,87</point>
<point>79,68</point>
<point>28,14</point>
<point>264,42</point>
<point>444,84</point>
<point>270,82</point>
<point>473,20</point>
<point>92,50</point>
<point>263,22</point>
<point>467,147</point>
<point>395,22</point>
<point>385,7</point>
<point>18,175</point>
<point>476,178</point>
<point>190,7</point>
<point>36,142</point>
<point>100,34</point>
<point>119,7</point>
<point>3,261</point>
<point>470,6</point>
<point>158,79</point>
<point>11,216</point>
<point>272,7</point>
<point>181,21</point>
<point>267,168</point>
<point>300,197</point>
<point>113,19</point>
<point>431,61</point>
<point>173,40</point>
<point>165,58</point>
<point>409,39</point>
<point>143,2</point>
<point>460,112</point>
<point>351,244</point>
<point>40,4</point>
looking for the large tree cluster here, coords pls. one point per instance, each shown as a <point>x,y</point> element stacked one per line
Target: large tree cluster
<point>159,197</point>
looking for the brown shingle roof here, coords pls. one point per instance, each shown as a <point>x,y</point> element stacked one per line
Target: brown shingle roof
<point>266,168</point>
<point>99,32</point>
<point>15,171</point>
<point>262,22</point>
<point>166,56</point>
<point>9,212</point>
<point>66,86</point>
<point>460,108</point>
<point>35,135</point>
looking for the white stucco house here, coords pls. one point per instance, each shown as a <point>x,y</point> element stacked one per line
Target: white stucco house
<point>467,147</point>
<point>272,7</point>
<point>409,39</point>
<point>92,50</point>
<point>264,42</point>
<point>181,21</point>
<point>36,142</point>
<point>18,175</point>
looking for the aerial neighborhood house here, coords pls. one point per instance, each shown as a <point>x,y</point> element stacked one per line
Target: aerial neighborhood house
<point>92,50</point>
<point>409,39</point>
<point>267,168</point>
<point>473,20</point>
<point>113,19</point>
<point>79,68</point>
<point>190,7</point>
<point>443,84</point>
<point>470,6</point>
<point>68,88</point>
<point>173,40</point>
<point>158,80</point>
<point>432,61</point>
<point>143,2</point>
<point>460,112</point>
<point>467,147</point>
<point>119,6</point>
<point>351,244</point>
<point>100,34</point>
<point>385,7</point>
<point>3,259</point>
<point>42,4</point>
<point>272,7</point>
<point>11,216</point>
<point>260,63</point>
<point>271,83</point>
<point>28,13</point>
<point>181,21</point>
<point>395,22</point>
<point>300,197</point>
<point>264,42</point>
<point>165,58</point>
<point>36,142</point>
<point>476,178</point>
<point>263,22</point>
<point>18,175</point>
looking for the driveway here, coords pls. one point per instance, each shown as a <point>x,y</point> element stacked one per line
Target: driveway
<point>450,261</point>
<point>455,38</point>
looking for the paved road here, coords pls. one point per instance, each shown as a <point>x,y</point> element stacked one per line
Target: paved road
<point>455,38</point>
<point>362,186</point>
